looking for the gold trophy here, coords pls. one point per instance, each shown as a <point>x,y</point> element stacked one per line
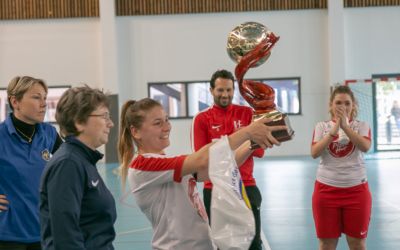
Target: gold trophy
<point>249,45</point>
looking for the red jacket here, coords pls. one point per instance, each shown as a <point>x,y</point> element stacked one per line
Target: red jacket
<point>212,123</point>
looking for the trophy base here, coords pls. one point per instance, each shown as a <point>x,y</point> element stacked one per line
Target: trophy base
<point>278,118</point>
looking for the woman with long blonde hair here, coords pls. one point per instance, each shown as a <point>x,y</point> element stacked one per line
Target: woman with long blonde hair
<point>165,187</point>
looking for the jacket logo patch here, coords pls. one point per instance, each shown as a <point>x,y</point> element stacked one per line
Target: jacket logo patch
<point>95,183</point>
<point>46,155</point>
<point>237,124</point>
<point>216,127</point>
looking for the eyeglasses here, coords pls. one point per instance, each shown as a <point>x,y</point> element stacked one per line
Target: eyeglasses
<point>106,116</point>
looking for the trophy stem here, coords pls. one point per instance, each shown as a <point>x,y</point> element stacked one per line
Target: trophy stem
<point>250,59</point>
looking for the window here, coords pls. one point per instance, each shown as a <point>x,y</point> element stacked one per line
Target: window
<point>4,108</point>
<point>53,95</point>
<point>172,97</point>
<point>186,99</point>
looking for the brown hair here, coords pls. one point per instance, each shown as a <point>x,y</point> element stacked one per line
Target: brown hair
<point>222,73</point>
<point>75,105</point>
<point>19,85</point>
<point>343,89</point>
<point>132,115</point>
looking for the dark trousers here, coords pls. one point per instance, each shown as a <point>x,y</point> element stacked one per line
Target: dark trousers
<point>8,245</point>
<point>255,200</point>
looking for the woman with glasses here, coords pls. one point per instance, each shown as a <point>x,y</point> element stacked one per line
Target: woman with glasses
<point>26,144</point>
<point>77,211</point>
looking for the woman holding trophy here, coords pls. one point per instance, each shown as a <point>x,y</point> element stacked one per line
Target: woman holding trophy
<point>165,186</point>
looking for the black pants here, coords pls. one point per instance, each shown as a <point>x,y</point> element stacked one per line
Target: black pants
<point>8,245</point>
<point>255,200</point>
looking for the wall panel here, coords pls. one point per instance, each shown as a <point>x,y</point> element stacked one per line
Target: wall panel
<point>42,9</point>
<point>162,7</point>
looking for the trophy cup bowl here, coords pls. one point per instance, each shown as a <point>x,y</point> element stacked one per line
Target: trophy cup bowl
<point>249,45</point>
<point>244,38</point>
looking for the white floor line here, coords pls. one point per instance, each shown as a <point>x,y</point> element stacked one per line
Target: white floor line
<point>391,204</point>
<point>264,241</point>
<point>135,231</point>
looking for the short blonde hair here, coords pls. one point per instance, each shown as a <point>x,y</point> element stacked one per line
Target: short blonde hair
<point>19,85</point>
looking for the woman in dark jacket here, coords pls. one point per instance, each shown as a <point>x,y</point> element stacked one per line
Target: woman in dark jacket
<point>77,211</point>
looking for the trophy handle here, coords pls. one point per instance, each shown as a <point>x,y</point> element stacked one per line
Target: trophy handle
<point>260,96</point>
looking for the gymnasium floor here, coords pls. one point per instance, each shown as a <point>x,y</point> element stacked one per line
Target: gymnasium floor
<point>286,185</point>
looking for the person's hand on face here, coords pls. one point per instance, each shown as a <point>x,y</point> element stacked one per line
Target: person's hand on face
<point>335,128</point>
<point>341,116</point>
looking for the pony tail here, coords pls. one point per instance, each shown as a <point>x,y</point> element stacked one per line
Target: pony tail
<point>125,142</point>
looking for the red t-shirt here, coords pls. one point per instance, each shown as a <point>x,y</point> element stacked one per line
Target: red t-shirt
<point>214,122</point>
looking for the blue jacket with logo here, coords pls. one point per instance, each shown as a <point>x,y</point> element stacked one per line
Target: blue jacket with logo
<point>21,165</point>
<point>77,211</point>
